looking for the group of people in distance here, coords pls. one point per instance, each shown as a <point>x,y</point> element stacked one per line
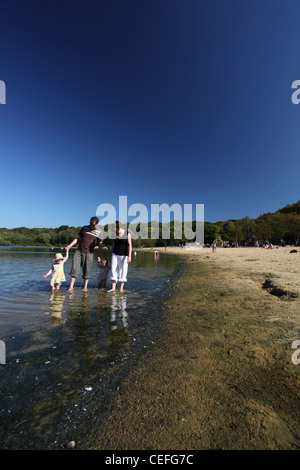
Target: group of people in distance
<point>88,238</point>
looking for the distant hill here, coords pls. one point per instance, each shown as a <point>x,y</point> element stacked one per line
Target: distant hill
<point>282,224</point>
<point>291,209</point>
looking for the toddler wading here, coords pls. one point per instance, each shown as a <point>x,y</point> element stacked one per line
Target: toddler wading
<point>57,270</point>
<point>103,272</point>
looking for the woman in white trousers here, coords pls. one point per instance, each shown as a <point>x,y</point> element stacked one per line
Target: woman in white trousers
<point>120,257</point>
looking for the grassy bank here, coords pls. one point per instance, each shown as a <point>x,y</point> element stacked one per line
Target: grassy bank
<point>220,374</point>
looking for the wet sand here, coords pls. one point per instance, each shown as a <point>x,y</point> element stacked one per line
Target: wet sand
<point>220,373</point>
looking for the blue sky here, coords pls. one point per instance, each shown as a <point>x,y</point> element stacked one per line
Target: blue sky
<point>164,101</point>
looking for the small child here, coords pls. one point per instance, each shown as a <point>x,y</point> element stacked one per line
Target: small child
<point>57,270</point>
<point>104,269</point>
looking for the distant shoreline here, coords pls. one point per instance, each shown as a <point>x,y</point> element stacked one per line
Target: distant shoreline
<point>282,224</point>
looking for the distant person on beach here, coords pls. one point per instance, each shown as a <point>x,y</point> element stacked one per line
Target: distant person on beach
<point>214,247</point>
<point>89,237</point>
<point>120,257</point>
<point>57,270</point>
<point>103,272</point>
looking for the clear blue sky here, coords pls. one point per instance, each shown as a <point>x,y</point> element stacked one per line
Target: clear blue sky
<point>164,101</point>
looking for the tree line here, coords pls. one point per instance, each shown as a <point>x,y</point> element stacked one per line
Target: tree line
<point>282,225</point>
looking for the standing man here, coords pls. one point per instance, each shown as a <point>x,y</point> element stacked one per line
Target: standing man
<point>89,237</point>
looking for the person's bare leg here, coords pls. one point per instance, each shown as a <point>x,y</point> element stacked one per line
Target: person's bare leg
<point>113,286</point>
<point>72,283</point>
<point>85,284</point>
<point>121,286</point>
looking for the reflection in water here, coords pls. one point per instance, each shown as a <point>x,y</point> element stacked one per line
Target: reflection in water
<point>118,324</point>
<point>85,338</point>
<point>85,325</point>
<point>118,315</point>
<point>56,304</point>
<point>97,323</point>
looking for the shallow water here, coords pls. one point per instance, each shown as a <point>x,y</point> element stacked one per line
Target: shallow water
<point>63,348</point>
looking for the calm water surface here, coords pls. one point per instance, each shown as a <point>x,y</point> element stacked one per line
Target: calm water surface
<point>66,353</point>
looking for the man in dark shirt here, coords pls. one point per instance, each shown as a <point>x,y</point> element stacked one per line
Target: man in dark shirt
<point>88,237</point>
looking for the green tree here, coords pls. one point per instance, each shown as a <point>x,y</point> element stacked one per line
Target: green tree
<point>264,228</point>
<point>44,239</point>
<point>292,227</point>
<point>229,231</point>
<point>211,231</point>
<point>248,228</point>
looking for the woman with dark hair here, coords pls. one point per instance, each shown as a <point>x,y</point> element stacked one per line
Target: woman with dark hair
<point>120,257</point>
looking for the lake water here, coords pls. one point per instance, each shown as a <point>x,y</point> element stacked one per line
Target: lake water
<point>67,353</point>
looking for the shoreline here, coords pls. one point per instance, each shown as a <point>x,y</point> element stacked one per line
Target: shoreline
<point>94,349</point>
<point>220,373</point>
<point>93,409</point>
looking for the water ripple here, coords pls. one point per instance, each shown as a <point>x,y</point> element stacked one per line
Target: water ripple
<point>56,342</point>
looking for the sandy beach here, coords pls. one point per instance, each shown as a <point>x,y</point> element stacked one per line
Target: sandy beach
<point>221,372</point>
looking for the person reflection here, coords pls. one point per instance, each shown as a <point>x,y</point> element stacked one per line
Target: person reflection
<point>56,304</point>
<point>118,313</point>
<point>118,331</point>
<point>82,321</point>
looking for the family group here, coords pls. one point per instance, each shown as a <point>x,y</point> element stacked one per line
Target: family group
<point>88,238</point>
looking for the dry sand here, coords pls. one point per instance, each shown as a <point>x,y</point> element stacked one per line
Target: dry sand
<point>220,374</point>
